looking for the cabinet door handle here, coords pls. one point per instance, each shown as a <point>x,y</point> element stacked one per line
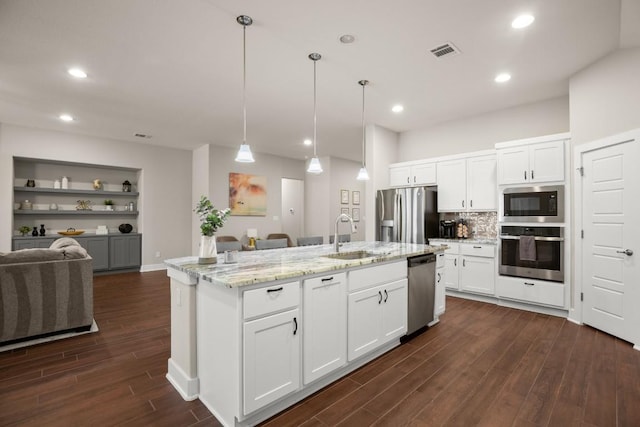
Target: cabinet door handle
<point>414,178</point>
<point>295,324</point>
<point>464,264</point>
<point>379,297</point>
<point>525,175</point>
<point>463,203</point>
<point>386,295</point>
<point>531,173</point>
<point>455,262</point>
<point>274,289</point>
<point>439,277</point>
<point>327,279</point>
<point>529,283</point>
<point>470,203</point>
<point>408,180</point>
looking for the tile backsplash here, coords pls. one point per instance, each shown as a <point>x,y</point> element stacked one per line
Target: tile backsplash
<point>482,224</point>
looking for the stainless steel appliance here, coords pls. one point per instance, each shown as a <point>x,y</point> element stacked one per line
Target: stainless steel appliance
<point>532,204</point>
<point>408,215</point>
<point>547,262</point>
<point>421,291</point>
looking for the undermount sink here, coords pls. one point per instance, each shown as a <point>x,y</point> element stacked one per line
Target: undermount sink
<point>352,255</point>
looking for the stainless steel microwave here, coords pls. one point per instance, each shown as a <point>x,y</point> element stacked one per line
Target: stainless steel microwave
<point>532,204</point>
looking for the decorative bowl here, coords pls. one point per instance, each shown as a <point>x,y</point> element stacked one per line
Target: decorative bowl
<point>125,228</point>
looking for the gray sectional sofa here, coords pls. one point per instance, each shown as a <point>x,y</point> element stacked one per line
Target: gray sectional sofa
<point>45,291</point>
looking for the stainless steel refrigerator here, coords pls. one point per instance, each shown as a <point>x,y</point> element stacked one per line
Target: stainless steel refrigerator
<point>408,215</point>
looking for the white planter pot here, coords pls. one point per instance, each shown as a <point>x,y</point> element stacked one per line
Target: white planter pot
<point>207,253</point>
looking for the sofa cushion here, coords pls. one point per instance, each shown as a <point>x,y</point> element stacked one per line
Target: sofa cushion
<point>74,252</point>
<point>31,255</point>
<point>64,242</point>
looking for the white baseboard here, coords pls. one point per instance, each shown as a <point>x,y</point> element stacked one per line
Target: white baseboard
<point>152,267</point>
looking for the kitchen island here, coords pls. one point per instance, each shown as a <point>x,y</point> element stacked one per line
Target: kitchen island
<point>251,338</point>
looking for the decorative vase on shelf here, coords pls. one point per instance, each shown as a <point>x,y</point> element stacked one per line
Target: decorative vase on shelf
<point>65,183</point>
<point>207,253</point>
<point>42,230</point>
<point>35,232</point>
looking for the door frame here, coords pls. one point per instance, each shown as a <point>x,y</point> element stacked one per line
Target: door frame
<point>576,312</point>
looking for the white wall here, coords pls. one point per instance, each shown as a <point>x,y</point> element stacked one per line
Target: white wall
<point>317,206</point>
<point>221,162</point>
<point>200,186</point>
<point>382,150</point>
<point>605,98</point>
<point>165,187</point>
<point>483,131</point>
<point>343,175</point>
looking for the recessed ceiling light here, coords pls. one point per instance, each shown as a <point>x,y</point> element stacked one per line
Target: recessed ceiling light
<point>397,108</point>
<point>502,77</point>
<point>77,72</point>
<point>522,21</point>
<point>308,142</point>
<point>347,38</point>
<point>66,117</point>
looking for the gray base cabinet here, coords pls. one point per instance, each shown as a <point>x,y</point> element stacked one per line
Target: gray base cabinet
<point>109,252</point>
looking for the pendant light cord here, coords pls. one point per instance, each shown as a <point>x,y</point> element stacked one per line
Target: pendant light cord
<point>314,109</point>
<point>244,83</point>
<point>364,145</point>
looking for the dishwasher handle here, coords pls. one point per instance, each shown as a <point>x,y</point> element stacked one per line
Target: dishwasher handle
<point>421,259</point>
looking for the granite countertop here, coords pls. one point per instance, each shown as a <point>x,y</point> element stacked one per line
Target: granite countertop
<point>255,267</point>
<point>478,240</point>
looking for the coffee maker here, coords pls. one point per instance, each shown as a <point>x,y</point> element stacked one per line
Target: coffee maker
<point>448,229</point>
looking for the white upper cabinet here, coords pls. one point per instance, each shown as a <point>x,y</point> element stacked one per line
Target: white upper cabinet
<point>531,163</point>
<point>467,184</point>
<point>411,175</point>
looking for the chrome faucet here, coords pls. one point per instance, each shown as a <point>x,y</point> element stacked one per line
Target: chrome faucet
<point>335,235</point>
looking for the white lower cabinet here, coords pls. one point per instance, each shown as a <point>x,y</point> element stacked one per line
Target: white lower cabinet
<point>530,290</point>
<point>440,297</point>
<point>376,316</point>
<point>477,268</point>
<point>325,325</point>
<point>271,344</point>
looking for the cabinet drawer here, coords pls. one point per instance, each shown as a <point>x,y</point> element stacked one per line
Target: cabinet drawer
<point>270,299</point>
<point>534,291</point>
<point>370,276</point>
<point>478,250</point>
<point>440,260</point>
<point>329,279</point>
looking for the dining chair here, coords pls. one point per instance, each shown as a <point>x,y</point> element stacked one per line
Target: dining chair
<point>226,239</point>
<point>228,246</point>
<point>342,238</point>
<point>271,244</point>
<point>308,241</point>
<point>280,236</point>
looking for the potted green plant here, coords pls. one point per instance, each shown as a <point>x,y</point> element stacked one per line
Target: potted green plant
<point>211,219</point>
<point>108,204</point>
<point>24,230</point>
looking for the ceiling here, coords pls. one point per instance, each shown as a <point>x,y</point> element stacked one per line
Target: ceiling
<point>173,69</point>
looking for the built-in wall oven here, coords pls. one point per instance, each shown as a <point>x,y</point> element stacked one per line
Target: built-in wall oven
<point>532,252</point>
<point>532,204</point>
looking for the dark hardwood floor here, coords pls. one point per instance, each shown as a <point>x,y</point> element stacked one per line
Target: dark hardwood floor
<point>482,365</point>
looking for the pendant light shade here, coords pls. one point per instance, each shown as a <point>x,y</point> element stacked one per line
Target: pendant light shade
<point>363,175</point>
<point>314,165</point>
<point>244,153</point>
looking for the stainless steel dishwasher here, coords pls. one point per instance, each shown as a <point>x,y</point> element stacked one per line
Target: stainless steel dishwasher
<point>422,285</point>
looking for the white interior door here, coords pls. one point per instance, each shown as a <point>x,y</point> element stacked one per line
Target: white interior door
<point>293,208</point>
<point>610,273</point>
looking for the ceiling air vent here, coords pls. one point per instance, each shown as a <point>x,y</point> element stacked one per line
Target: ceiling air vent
<point>142,135</point>
<point>445,49</point>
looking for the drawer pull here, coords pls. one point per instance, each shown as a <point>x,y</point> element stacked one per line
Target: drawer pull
<point>380,297</point>
<point>327,279</point>
<point>477,247</point>
<point>275,289</point>
<point>295,323</point>
<point>529,284</point>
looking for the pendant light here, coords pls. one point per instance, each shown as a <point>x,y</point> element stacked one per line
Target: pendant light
<point>244,153</point>
<point>314,165</point>
<point>363,175</point>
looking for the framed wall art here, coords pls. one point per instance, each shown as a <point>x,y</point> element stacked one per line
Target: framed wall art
<point>344,211</point>
<point>355,214</point>
<point>247,194</point>
<point>355,197</point>
<point>344,197</point>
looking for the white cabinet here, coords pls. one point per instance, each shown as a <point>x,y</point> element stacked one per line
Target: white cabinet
<point>530,290</point>
<point>467,184</point>
<point>440,298</point>
<point>377,307</point>
<point>409,175</point>
<point>533,163</point>
<point>271,344</point>
<point>477,269</point>
<point>325,325</point>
